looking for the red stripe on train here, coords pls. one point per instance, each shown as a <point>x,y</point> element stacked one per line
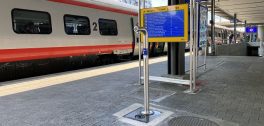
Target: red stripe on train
<point>12,55</point>
<point>94,6</point>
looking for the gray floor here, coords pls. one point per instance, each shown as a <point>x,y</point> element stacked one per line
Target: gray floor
<point>232,90</point>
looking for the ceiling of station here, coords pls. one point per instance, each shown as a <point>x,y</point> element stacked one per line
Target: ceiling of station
<point>250,10</point>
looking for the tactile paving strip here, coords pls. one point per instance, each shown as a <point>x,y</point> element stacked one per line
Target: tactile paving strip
<point>191,121</point>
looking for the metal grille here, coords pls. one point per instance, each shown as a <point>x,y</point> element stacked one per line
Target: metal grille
<point>191,121</point>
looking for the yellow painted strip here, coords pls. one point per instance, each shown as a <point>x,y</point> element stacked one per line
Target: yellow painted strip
<point>51,80</point>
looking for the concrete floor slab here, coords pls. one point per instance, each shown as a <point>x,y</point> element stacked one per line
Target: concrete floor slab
<point>232,93</point>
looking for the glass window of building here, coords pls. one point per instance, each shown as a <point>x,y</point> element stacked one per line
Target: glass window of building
<point>31,22</point>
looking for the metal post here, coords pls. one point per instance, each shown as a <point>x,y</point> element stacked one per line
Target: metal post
<point>205,57</point>
<point>144,3</point>
<point>196,43</point>
<point>139,43</point>
<point>145,62</point>
<point>245,36</point>
<point>235,26</point>
<point>191,45</point>
<point>146,75</point>
<point>260,35</point>
<point>213,44</point>
<point>245,23</point>
<point>146,70</point>
<point>261,48</point>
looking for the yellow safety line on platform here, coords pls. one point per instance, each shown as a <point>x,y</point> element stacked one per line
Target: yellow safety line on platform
<point>51,80</point>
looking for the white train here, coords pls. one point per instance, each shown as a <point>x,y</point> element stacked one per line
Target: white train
<point>44,29</point>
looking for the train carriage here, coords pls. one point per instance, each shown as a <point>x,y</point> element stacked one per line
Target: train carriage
<point>57,28</point>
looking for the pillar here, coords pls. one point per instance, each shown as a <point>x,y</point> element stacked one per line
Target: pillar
<point>213,44</point>
<point>176,52</point>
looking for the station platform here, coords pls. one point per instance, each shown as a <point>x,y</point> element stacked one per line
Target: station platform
<point>231,94</point>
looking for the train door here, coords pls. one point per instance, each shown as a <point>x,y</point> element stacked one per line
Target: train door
<point>133,35</point>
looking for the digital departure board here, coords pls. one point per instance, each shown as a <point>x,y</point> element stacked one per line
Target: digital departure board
<point>252,29</point>
<point>166,24</point>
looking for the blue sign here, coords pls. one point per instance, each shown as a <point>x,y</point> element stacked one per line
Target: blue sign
<point>165,24</point>
<point>145,51</point>
<point>253,29</point>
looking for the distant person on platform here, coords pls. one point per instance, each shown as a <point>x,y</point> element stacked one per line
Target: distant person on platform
<point>231,38</point>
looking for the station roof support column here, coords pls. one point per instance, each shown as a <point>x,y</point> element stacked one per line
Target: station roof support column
<point>260,33</point>
<point>235,27</point>
<point>213,44</point>
<point>176,52</point>
<point>245,23</point>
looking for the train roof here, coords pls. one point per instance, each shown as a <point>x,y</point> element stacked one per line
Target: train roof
<point>114,4</point>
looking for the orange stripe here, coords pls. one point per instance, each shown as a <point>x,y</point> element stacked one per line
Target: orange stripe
<point>12,55</point>
<point>94,6</point>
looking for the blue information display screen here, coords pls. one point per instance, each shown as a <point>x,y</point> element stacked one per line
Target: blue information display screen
<point>253,29</point>
<point>165,24</point>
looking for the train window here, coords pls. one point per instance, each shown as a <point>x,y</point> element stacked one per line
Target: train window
<point>77,25</point>
<point>31,22</point>
<point>108,27</point>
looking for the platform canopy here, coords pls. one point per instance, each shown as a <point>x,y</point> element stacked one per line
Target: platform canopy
<point>250,10</point>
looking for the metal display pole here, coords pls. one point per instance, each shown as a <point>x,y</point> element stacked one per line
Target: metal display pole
<point>139,44</point>
<point>145,61</point>
<point>213,44</point>
<point>235,28</point>
<point>261,48</point>
<point>206,50</point>
<point>205,57</point>
<point>146,75</point>
<point>146,70</point>
<point>191,45</point>
<point>196,41</point>
<point>194,35</point>
<point>245,36</point>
